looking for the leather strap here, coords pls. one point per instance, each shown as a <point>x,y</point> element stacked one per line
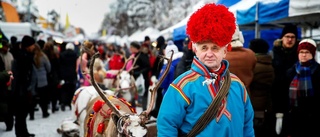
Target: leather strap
<point>213,109</point>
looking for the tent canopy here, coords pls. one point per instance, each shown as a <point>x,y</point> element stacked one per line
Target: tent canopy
<point>302,12</point>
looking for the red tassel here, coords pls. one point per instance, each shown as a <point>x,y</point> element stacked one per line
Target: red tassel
<point>100,128</point>
<point>97,105</point>
<point>229,48</point>
<point>118,107</point>
<point>190,45</point>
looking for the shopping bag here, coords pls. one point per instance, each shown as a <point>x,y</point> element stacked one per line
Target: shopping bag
<point>140,85</point>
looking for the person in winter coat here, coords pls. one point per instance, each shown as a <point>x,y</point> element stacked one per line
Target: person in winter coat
<point>261,86</point>
<point>68,74</point>
<point>53,76</point>
<point>210,29</point>
<point>175,60</point>
<point>186,59</point>
<point>42,67</point>
<point>157,65</point>
<point>284,56</point>
<point>302,94</point>
<point>6,60</point>
<point>242,60</point>
<point>85,61</point>
<point>142,66</point>
<point>22,70</point>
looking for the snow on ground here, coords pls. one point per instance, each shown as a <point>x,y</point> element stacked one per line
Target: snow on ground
<point>43,127</point>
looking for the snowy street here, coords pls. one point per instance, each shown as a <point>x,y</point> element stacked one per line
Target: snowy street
<point>41,127</point>
<point>44,127</point>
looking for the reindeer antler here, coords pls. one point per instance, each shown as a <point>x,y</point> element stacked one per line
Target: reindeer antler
<point>154,90</point>
<point>95,85</point>
<point>134,62</point>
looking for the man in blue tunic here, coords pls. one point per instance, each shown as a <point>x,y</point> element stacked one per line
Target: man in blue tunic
<point>210,30</point>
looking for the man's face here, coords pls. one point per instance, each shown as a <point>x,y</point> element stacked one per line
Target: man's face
<point>288,40</point>
<point>31,48</point>
<point>133,49</point>
<point>210,54</point>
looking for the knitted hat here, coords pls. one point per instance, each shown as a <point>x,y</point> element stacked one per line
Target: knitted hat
<point>308,44</point>
<point>135,44</point>
<point>146,38</point>
<point>213,23</point>
<point>237,38</point>
<point>41,43</point>
<point>289,29</point>
<point>27,41</point>
<point>70,46</point>
<point>259,46</point>
<point>171,46</point>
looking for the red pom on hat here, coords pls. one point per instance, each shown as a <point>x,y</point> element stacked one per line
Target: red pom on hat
<point>213,23</point>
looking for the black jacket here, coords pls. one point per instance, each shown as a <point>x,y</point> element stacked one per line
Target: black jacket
<point>68,64</point>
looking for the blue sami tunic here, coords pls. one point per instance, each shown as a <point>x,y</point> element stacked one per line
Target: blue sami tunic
<point>187,98</point>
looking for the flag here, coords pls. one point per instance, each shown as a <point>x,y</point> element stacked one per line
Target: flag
<point>104,32</point>
<point>67,22</point>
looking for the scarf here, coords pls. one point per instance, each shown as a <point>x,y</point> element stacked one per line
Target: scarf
<point>301,85</point>
<point>217,75</point>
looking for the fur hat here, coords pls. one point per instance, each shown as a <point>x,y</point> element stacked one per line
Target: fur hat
<point>70,46</point>
<point>289,29</point>
<point>27,41</point>
<point>237,38</point>
<point>308,44</point>
<point>213,23</point>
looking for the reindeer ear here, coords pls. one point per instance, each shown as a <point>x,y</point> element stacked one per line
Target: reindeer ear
<point>115,118</point>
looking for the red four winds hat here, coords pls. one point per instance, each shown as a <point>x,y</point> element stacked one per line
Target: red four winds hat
<point>213,23</point>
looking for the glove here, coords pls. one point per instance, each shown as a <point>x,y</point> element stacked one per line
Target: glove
<point>279,117</point>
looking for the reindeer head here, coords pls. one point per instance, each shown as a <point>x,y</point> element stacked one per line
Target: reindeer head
<point>128,124</point>
<point>125,82</point>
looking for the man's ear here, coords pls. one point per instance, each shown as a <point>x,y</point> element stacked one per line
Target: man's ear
<point>225,51</point>
<point>194,47</point>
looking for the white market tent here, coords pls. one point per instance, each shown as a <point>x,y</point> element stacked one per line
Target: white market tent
<point>153,33</point>
<point>16,29</point>
<point>135,36</point>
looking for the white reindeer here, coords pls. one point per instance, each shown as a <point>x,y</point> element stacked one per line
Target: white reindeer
<point>113,117</point>
<point>124,82</point>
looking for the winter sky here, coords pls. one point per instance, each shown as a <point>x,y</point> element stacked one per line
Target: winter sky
<point>82,13</point>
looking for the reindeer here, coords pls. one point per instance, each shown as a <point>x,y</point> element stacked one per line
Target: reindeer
<point>110,116</point>
<point>125,82</point>
<point>124,86</point>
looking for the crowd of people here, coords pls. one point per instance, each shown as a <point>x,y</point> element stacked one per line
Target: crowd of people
<point>215,85</point>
